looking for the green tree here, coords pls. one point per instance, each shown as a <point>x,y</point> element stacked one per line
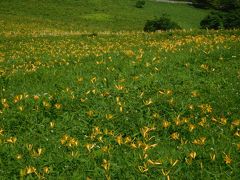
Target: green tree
<point>140,3</point>
<point>225,5</point>
<point>222,20</point>
<point>202,3</point>
<point>164,23</point>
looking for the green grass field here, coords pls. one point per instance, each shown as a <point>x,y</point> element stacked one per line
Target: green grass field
<point>90,15</point>
<point>115,105</point>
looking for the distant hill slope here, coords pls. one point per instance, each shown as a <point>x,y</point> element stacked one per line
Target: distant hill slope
<point>90,15</point>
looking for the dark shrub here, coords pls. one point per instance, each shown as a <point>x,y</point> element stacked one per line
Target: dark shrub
<point>232,19</point>
<point>150,26</point>
<point>224,5</point>
<point>212,21</point>
<point>219,20</point>
<point>204,4</point>
<point>163,23</point>
<point>140,3</point>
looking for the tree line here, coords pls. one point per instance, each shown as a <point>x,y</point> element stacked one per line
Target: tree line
<point>224,5</point>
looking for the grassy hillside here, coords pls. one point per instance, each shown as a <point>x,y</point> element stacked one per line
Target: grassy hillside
<point>90,15</point>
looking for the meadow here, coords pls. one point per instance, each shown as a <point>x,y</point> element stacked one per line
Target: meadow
<point>118,105</point>
<point>47,16</point>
